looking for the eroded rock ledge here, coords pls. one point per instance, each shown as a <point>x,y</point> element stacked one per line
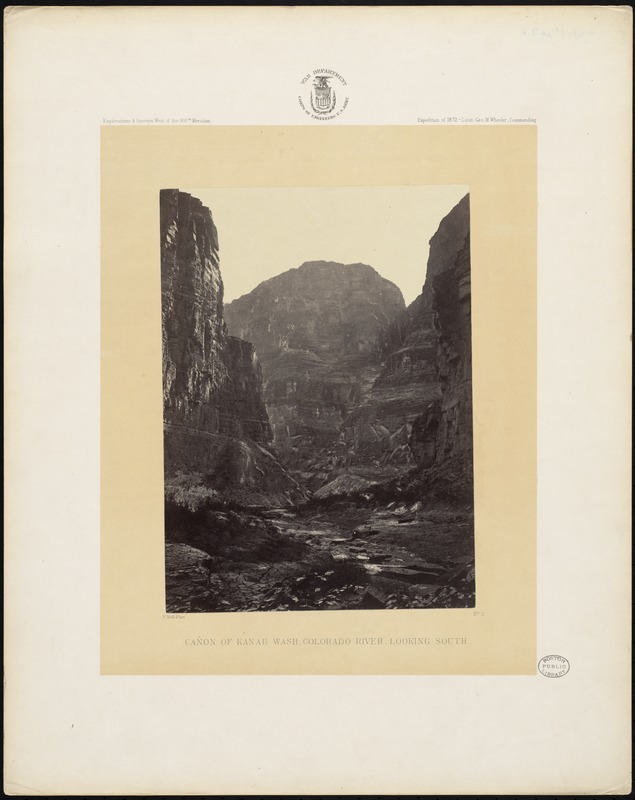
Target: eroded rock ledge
<point>216,424</point>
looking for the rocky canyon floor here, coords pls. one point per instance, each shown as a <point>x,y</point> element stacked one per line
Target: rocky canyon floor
<point>317,431</point>
<point>333,556</point>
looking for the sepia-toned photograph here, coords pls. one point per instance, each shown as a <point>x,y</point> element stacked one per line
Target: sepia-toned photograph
<point>317,398</point>
<point>324,312</point>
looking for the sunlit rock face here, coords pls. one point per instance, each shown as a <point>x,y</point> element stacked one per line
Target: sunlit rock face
<point>319,332</point>
<point>215,418</point>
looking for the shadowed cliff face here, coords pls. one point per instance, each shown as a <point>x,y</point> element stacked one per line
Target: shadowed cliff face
<point>215,417</point>
<point>453,325</point>
<point>441,438</point>
<point>318,331</point>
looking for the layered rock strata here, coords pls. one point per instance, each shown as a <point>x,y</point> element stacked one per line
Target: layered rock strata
<point>444,432</point>
<point>319,331</point>
<point>215,418</point>
<point>425,382</point>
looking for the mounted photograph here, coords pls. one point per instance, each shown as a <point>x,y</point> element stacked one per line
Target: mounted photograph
<point>317,398</point>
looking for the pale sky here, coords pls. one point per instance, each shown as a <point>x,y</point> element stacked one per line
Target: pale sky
<point>263,232</point>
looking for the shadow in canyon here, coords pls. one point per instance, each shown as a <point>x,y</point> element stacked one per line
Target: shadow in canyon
<point>317,433</point>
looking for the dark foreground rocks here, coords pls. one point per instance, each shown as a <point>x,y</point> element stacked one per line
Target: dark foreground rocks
<point>345,558</point>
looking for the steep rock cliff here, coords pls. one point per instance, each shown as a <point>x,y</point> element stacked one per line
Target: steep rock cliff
<point>452,323</point>
<point>318,331</point>
<point>414,398</point>
<point>406,386</point>
<point>441,438</point>
<point>215,418</point>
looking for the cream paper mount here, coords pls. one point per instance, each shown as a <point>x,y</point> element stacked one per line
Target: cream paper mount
<point>496,637</point>
<point>75,726</point>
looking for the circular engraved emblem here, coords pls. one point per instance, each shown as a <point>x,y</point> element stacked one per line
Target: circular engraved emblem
<point>553,666</point>
<point>323,94</point>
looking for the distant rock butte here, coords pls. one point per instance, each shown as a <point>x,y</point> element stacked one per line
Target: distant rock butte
<point>215,418</point>
<point>354,381</point>
<point>319,332</point>
<point>322,307</point>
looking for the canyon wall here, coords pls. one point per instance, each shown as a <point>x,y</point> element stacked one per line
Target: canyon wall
<point>319,332</point>
<point>317,374</point>
<point>426,378</point>
<point>442,436</point>
<point>215,419</point>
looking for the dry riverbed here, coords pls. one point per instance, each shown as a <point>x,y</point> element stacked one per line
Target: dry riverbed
<point>347,557</point>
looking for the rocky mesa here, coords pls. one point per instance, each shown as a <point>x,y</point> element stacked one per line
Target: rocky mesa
<point>319,332</point>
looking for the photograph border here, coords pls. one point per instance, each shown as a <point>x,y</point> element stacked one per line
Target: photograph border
<point>498,163</point>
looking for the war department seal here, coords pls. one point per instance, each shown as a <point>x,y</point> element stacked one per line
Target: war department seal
<point>321,97</point>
